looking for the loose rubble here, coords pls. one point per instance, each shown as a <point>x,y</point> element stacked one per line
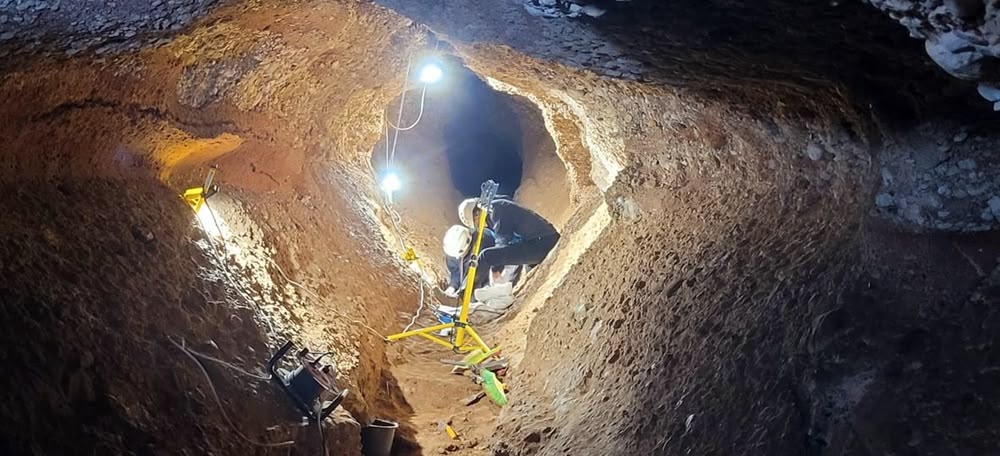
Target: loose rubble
<point>566,8</point>
<point>961,36</point>
<point>941,180</point>
<point>571,44</point>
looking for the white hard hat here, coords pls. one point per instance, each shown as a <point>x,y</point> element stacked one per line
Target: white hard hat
<point>457,240</point>
<point>466,212</point>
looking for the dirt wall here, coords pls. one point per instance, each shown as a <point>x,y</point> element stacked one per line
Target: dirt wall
<point>721,285</point>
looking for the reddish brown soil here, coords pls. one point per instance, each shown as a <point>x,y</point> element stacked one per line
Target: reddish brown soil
<point>716,291</point>
<point>107,135</point>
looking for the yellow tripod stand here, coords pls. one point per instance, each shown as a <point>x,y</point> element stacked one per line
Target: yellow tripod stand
<point>461,326</point>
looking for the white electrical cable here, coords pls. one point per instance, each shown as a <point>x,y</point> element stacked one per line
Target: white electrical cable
<point>222,363</point>
<point>222,255</point>
<point>390,155</point>
<point>388,160</point>
<point>222,410</point>
<point>420,113</point>
<point>413,319</point>
<point>402,104</point>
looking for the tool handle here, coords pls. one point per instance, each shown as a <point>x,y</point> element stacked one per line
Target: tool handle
<point>209,178</point>
<point>272,365</point>
<point>333,405</point>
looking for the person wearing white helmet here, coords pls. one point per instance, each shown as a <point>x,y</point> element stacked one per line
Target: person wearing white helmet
<point>467,213</point>
<point>522,236</point>
<point>492,297</point>
<point>457,245</point>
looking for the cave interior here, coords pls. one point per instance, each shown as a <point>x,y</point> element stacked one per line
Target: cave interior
<point>778,219</point>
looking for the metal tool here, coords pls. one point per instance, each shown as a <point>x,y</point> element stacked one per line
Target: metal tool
<point>306,384</point>
<point>460,326</point>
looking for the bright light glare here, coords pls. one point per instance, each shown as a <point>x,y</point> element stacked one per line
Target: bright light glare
<point>391,183</point>
<point>213,226</point>
<point>431,73</point>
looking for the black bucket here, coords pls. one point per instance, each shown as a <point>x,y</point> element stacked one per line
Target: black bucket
<point>376,438</point>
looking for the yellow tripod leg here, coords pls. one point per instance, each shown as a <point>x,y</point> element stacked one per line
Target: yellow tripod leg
<point>436,340</point>
<point>460,326</point>
<point>417,332</point>
<point>478,340</point>
<point>470,282</point>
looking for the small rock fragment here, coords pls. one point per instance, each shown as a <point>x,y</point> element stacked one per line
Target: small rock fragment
<point>580,312</point>
<point>142,234</point>
<point>994,204</point>
<point>593,11</point>
<point>976,191</point>
<point>814,151</point>
<point>884,200</point>
<point>988,91</point>
<point>955,54</point>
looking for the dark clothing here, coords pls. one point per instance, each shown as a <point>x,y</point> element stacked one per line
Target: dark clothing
<point>510,219</point>
<point>457,268</point>
<point>523,237</point>
<point>526,252</point>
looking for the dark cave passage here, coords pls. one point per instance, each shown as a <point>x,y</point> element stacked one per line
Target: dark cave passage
<point>457,133</point>
<point>482,136</point>
<point>476,155</point>
<point>461,119</point>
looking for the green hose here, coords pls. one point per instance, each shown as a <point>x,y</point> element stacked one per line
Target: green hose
<point>493,388</point>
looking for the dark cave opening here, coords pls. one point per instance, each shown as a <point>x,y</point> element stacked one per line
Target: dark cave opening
<point>476,154</point>
<point>480,134</point>
<point>456,134</point>
<point>458,131</point>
